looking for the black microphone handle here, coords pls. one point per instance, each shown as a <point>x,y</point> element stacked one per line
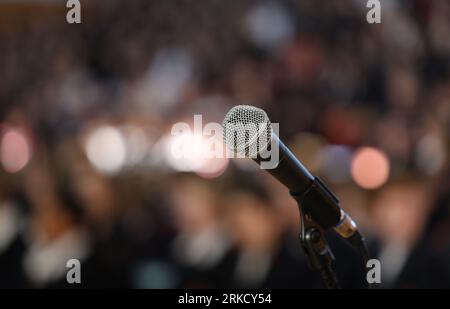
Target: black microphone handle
<point>310,192</point>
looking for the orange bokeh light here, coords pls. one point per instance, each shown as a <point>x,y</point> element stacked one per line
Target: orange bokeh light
<point>370,168</point>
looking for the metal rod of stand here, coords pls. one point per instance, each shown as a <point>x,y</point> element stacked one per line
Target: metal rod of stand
<point>329,278</point>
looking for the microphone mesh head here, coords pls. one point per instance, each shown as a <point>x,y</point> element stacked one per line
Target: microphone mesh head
<point>247,130</point>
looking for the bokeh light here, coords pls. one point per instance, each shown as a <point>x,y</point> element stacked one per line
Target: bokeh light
<point>192,152</point>
<point>336,161</point>
<point>213,167</point>
<point>370,168</point>
<point>430,154</point>
<point>106,149</point>
<point>15,150</point>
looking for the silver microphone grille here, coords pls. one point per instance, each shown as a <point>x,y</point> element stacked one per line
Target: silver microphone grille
<point>247,130</point>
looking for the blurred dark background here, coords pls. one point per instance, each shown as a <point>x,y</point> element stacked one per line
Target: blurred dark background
<point>86,112</point>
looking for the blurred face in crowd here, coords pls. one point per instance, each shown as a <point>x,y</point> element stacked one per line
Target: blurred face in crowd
<point>399,213</point>
<point>194,205</point>
<point>283,203</point>
<point>50,223</point>
<point>96,196</point>
<point>49,217</point>
<point>253,225</point>
<point>39,187</point>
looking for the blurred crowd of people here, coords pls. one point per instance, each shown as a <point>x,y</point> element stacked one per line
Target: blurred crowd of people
<point>86,112</point>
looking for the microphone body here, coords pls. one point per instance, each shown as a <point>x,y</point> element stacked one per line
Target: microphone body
<point>248,131</point>
<point>315,198</point>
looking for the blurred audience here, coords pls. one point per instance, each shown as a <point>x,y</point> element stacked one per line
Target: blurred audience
<point>86,113</point>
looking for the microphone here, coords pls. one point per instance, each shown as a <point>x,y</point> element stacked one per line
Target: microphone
<point>248,132</point>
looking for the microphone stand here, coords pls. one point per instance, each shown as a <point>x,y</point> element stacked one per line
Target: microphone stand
<point>317,250</point>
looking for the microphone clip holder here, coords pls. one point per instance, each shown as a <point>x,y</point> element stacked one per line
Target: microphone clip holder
<point>318,252</point>
<point>313,241</point>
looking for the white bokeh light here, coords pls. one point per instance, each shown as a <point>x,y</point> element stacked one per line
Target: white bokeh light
<point>106,149</point>
<point>189,152</point>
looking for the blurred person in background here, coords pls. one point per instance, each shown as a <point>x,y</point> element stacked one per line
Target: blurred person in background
<point>399,215</point>
<point>428,264</point>
<point>200,247</point>
<point>12,237</point>
<point>257,233</point>
<point>268,254</point>
<point>57,232</point>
